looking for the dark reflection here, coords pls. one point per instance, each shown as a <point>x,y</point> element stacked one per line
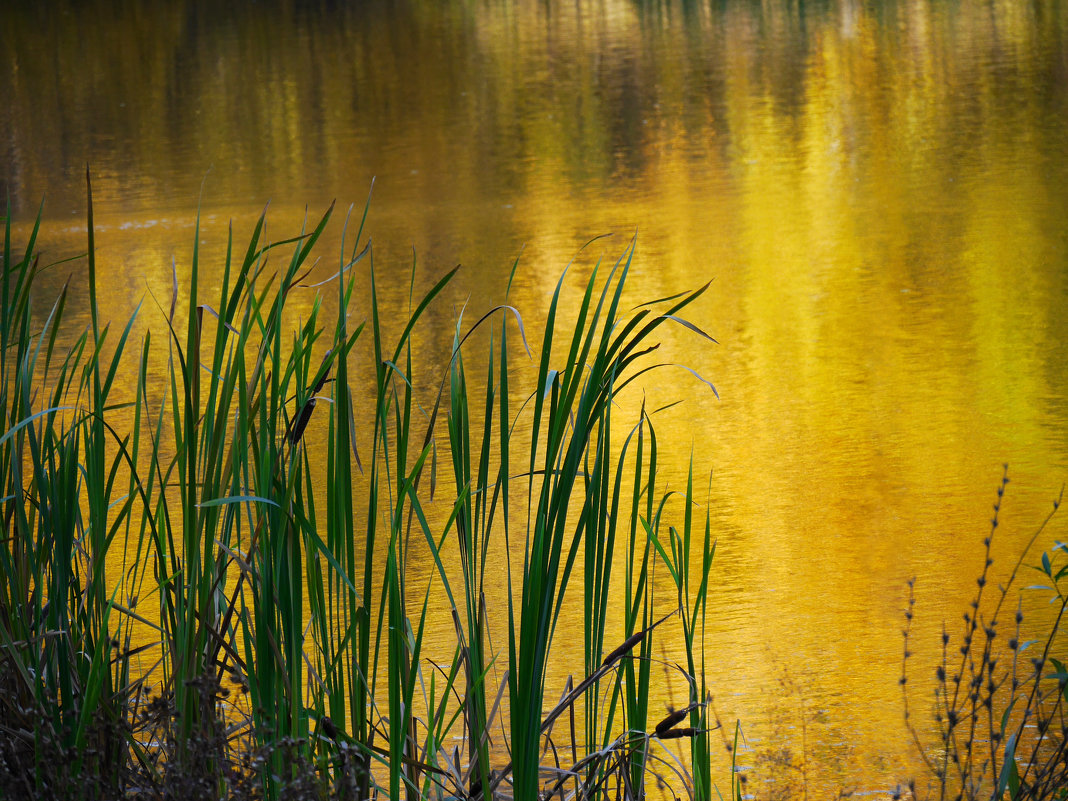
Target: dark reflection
<point>308,99</point>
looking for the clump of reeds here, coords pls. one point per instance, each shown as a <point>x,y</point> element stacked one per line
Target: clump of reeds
<point>999,700</point>
<point>284,632</point>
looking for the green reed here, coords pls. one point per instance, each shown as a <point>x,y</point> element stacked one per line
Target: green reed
<point>59,628</point>
<point>693,611</point>
<point>285,634</point>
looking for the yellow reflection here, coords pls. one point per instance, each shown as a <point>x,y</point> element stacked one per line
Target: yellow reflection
<point>876,190</point>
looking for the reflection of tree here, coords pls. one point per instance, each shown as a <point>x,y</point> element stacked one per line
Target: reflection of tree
<point>819,135</point>
<point>307,101</point>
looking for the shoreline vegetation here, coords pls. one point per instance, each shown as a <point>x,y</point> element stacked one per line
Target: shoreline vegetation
<point>1001,729</point>
<point>278,615</point>
<point>284,631</point>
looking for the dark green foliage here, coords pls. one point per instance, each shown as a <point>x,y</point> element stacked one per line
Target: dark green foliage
<point>264,636</point>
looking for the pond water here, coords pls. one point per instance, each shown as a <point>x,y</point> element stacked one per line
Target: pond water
<point>878,189</point>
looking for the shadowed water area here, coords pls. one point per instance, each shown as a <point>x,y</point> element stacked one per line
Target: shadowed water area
<point>878,189</point>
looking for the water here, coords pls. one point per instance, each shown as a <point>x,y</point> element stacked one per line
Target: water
<point>878,190</point>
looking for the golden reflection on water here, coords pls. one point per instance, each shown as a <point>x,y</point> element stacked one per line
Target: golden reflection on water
<point>878,190</point>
